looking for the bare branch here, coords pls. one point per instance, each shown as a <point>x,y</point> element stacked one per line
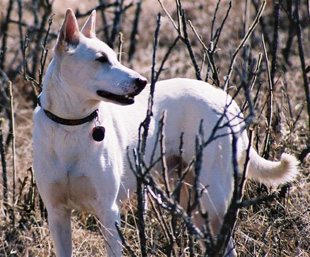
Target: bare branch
<point>270,103</point>
<point>4,166</point>
<point>244,40</point>
<point>302,60</point>
<point>134,32</point>
<point>12,131</point>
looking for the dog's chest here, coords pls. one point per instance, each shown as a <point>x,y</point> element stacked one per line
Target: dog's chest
<point>74,185</point>
<point>78,168</point>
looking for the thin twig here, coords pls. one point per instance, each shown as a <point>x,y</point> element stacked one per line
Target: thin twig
<point>263,25</point>
<point>134,32</point>
<point>209,55</point>
<point>168,15</point>
<point>4,165</point>
<point>246,164</point>
<point>163,153</point>
<point>20,29</point>
<point>38,43</point>
<point>145,124</point>
<point>4,32</point>
<point>160,217</point>
<point>13,150</point>
<point>270,104</point>
<point>213,44</point>
<point>232,211</point>
<point>169,204</point>
<point>104,21</point>
<point>100,7</point>
<point>287,97</point>
<point>188,44</point>
<point>166,58</point>
<point>291,31</point>
<point>253,81</point>
<point>44,52</point>
<point>116,22</point>
<point>32,28</point>
<point>140,172</point>
<point>25,66</point>
<point>302,60</point>
<point>4,96</point>
<point>213,22</point>
<point>258,200</point>
<point>124,243</point>
<point>120,46</point>
<point>219,30</point>
<point>242,43</point>
<point>275,40</point>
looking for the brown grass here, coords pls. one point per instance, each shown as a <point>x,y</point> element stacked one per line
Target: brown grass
<point>277,228</point>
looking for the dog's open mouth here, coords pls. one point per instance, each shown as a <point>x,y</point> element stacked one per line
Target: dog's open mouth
<point>121,99</point>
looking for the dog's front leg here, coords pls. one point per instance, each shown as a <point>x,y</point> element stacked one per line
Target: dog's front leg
<point>108,218</point>
<point>59,220</point>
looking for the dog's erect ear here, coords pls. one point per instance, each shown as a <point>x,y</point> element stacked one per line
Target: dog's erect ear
<point>69,33</point>
<point>89,28</point>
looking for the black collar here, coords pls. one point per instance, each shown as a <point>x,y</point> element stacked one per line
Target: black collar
<point>68,122</point>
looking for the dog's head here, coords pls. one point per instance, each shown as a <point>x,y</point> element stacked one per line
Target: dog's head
<point>87,64</point>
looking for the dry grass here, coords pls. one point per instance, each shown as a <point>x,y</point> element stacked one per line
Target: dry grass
<point>277,228</point>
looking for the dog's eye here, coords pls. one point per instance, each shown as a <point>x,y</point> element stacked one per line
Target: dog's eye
<point>102,59</point>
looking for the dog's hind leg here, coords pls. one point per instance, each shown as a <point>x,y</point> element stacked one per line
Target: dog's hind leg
<point>216,212</point>
<point>59,220</point>
<point>216,185</point>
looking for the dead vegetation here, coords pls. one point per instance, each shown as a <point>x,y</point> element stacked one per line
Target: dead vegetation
<point>260,58</point>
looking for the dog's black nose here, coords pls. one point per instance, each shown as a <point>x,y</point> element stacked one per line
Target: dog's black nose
<point>141,83</point>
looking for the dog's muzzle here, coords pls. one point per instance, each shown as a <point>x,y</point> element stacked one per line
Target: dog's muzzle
<point>124,99</point>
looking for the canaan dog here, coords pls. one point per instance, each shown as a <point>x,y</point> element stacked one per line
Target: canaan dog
<point>88,115</point>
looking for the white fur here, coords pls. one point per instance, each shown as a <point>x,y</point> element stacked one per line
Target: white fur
<point>75,172</point>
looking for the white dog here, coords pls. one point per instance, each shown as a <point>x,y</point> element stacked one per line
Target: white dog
<point>82,130</point>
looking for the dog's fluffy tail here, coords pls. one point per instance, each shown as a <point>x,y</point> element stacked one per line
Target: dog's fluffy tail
<point>272,173</point>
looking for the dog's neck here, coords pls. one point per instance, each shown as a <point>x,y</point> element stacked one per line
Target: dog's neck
<point>67,110</point>
<point>69,122</point>
<point>57,98</point>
